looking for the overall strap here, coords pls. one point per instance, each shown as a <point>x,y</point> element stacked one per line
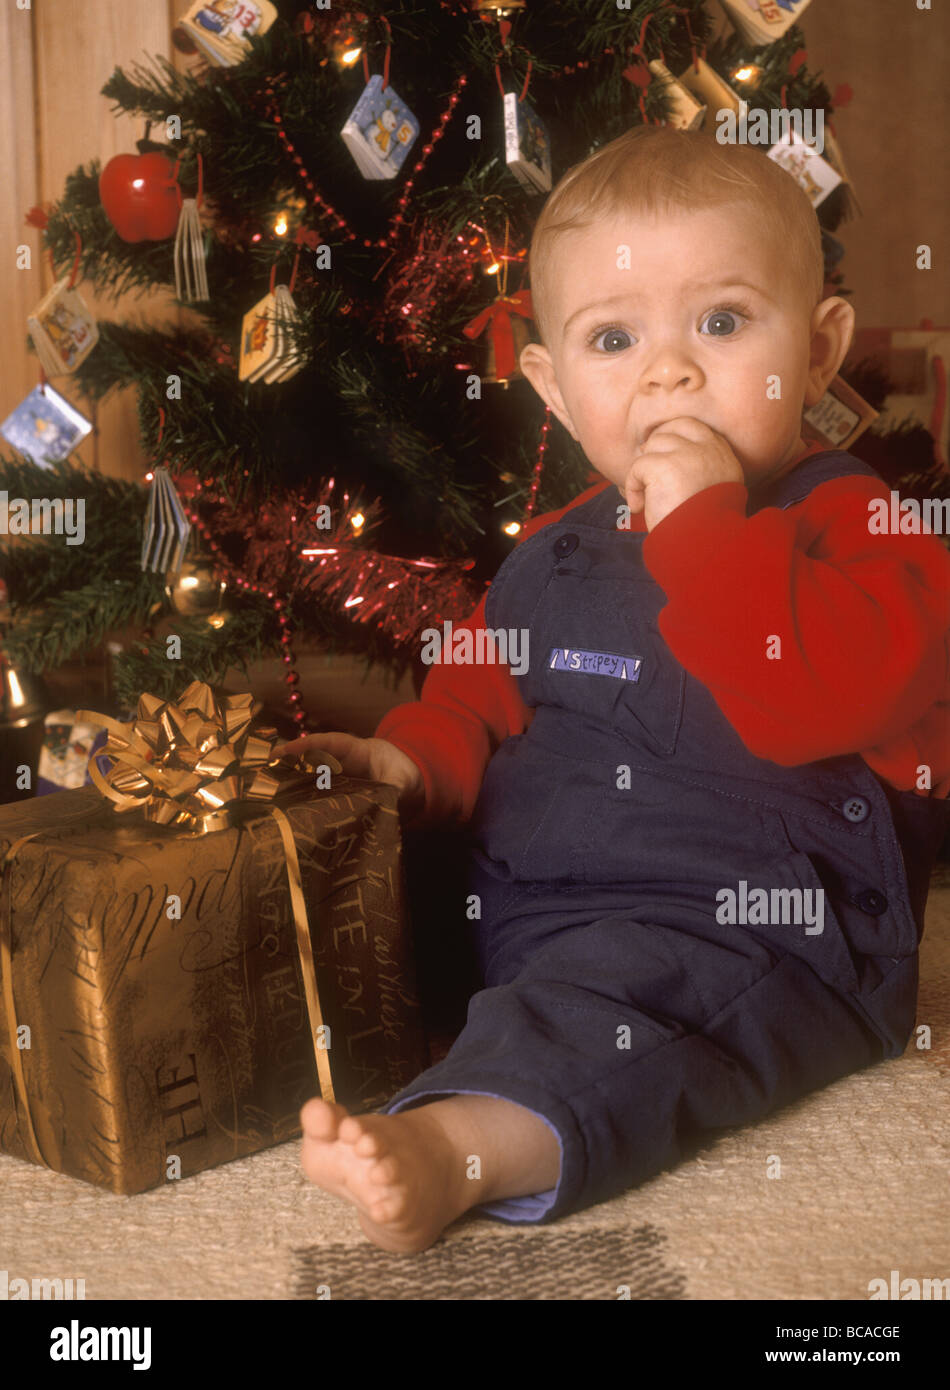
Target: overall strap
<point>816,469</point>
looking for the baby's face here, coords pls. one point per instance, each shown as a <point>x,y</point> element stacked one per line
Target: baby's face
<point>705,323</point>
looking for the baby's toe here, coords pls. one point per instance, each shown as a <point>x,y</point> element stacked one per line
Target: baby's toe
<point>320,1120</point>
<point>385,1172</point>
<point>366,1142</point>
<point>387,1210</point>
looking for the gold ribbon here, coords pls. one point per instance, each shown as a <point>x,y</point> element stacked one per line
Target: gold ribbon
<point>305,950</point>
<point>193,764</point>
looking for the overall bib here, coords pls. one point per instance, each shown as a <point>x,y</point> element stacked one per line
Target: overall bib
<point>624,1002</point>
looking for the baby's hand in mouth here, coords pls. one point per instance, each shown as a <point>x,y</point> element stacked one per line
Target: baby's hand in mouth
<point>677,460</point>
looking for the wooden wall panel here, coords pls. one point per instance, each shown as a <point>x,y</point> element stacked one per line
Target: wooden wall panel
<point>19,180</point>
<point>54,59</point>
<point>893,133</point>
<point>77,47</point>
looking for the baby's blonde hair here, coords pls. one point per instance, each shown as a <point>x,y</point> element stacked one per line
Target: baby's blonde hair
<point>656,169</point>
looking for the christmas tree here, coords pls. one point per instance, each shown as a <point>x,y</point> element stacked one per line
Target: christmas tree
<point>371,486</point>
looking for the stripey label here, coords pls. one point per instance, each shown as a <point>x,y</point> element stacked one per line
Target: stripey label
<point>624,668</point>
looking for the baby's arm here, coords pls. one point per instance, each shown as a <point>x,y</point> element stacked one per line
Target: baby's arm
<point>452,730</point>
<point>434,749</point>
<point>862,620</point>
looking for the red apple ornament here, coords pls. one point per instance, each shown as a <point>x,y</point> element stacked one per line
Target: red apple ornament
<point>139,194</point>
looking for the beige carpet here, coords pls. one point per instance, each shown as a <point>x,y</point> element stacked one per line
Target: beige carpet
<point>863,1191</point>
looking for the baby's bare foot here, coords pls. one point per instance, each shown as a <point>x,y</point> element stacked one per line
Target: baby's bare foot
<point>400,1171</point>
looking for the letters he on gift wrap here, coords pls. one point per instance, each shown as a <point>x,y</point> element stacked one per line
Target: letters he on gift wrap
<point>154,1036</point>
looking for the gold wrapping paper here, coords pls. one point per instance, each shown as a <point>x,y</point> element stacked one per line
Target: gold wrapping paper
<point>156,978</point>
<point>193,763</point>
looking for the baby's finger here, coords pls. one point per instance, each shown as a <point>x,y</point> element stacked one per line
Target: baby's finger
<point>685,427</point>
<point>634,489</point>
<point>665,438</point>
<point>329,743</point>
<point>297,745</point>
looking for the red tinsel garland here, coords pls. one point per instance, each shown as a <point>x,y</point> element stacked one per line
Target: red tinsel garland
<point>287,552</point>
<point>402,597</point>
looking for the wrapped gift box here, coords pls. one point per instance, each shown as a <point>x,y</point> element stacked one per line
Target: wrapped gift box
<point>764,21</point>
<point>153,1019</point>
<point>67,747</point>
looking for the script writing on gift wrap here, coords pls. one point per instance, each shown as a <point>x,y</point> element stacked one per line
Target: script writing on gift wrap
<point>354,929</point>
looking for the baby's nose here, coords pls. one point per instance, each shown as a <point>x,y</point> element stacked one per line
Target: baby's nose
<point>670,366</point>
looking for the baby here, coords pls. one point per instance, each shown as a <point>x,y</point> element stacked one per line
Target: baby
<point>702,822</point>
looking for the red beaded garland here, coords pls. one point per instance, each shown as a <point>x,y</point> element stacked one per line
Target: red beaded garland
<point>289,657</point>
<point>398,218</point>
<point>539,465</point>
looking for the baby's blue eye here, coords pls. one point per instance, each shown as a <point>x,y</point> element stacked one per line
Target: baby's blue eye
<point>616,336</point>
<point>723,323</point>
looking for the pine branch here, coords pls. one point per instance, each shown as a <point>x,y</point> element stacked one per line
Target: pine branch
<point>42,566</point>
<point>207,653</point>
<point>71,623</point>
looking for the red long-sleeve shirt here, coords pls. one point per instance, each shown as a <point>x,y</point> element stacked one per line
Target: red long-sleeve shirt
<point>864,622</point>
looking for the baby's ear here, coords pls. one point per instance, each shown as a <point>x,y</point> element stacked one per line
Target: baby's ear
<point>536,363</point>
<point>832,328</point>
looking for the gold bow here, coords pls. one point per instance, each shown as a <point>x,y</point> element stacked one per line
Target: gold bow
<point>192,762</point>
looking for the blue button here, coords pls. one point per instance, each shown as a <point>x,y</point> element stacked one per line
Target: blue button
<point>871,901</point>
<point>565,545</point>
<point>856,809</point>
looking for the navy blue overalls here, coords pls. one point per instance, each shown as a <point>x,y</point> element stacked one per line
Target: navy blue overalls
<point>618,1005</point>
